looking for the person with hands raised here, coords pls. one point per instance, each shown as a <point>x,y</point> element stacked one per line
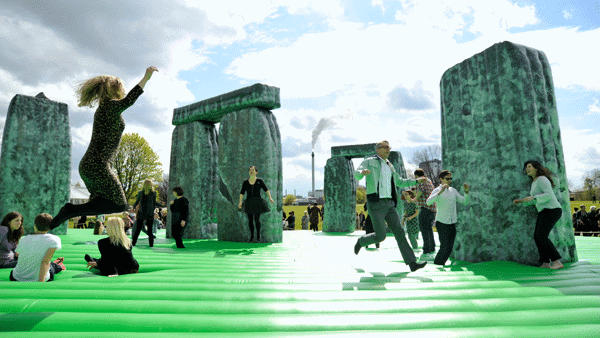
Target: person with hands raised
<point>549,212</point>
<point>382,181</point>
<point>106,191</point>
<point>445,197</point>
<point>254,205</point>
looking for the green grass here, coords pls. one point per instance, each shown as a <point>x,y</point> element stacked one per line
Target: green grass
<point>299,212</point>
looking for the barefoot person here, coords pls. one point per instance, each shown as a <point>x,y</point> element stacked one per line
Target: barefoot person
<point>549,212</point>
<point>445,219</point>
<point>382,180</point>
<point>106,192</point>
<point>254,204</point>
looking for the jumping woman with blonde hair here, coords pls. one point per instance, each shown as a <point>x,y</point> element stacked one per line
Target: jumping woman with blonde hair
<point>115,250</point>
<point>106,192</point>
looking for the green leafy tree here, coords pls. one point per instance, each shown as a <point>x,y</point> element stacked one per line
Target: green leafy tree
<point>289,199</point>
<point>361,195</point>
<point>135,162</point>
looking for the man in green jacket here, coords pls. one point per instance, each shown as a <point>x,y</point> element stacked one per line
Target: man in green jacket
<point>382,180</point>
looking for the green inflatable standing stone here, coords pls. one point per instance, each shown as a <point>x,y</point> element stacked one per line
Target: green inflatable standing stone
<point>340,195</point>
<point>249,137</point>
<point>194,159</point>
<point>36,159</point>
<point>498,111</point>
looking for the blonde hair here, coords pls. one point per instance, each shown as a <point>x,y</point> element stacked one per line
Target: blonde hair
<point>99,89</point>
<point>148,186</point>
<point>115,229</point>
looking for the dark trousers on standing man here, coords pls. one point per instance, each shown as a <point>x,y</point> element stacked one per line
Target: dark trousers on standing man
<point>148,222</point>
<point>546,220</point>
<point>447,234</point>
<point>383,212</point>
<point>176,231</point>
<point>426,218</point>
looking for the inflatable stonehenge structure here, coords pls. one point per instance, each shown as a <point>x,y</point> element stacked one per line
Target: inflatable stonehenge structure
<point>498,111</point>
<point>35,165</point>
<point>210,166</point>
<point>340,185</point>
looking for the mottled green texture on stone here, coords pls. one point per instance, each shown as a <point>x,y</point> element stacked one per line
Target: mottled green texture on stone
<point>36,159</point>
<point>213,109</point>
<point>249,137</point>
<point>354,151</point>
<point>194,159</point>
<point>340,196</point>
<point>499,110</point>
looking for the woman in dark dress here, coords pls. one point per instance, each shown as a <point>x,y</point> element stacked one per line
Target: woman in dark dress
<point>115,250</point>
<point>106,192</point>
<point>146,200</point>
<point>179,215</point>
<point>254,205</point>
<point>411,214</point>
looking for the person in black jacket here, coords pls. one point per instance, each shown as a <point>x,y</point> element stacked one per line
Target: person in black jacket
<point>254,204</point>
<point>146,199</point>
<point>179,215</point>
<point>115,250</point>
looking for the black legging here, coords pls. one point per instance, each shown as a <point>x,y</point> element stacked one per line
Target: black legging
<point>252,218</point>
<point>148,221</point>
<point>546,220</point>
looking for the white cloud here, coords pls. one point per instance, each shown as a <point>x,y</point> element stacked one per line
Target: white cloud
<point>567,14</point>
<point>595,107</point>
<point>577,145</point>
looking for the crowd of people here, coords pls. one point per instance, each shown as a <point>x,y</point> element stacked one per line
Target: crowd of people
<point>584,221</point>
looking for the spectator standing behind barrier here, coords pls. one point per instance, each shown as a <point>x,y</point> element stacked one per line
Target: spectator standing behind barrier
<point>426,214</point>
<point>179,216</point>
<point>382,180</point>
<point>146,199</point>
<point>35,252</point>
<point>254,205</point>
<point>410,218</point>
<point>305,220</point>
<point>11,231</point>
<point>583,218</point>
<point>549,212</point>
<point>115,251</point>
<point>445,220</point>
<point>369,226</point>
<point>314,212</point>
<point>81,222</point>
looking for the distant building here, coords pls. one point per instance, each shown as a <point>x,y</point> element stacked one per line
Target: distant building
<point>78,194</point>
<point>319,193</point>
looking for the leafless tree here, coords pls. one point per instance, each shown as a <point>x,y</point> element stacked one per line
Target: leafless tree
<point>429,158</point>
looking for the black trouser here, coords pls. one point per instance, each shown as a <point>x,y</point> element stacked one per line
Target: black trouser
<point>546,220</point>
<point>9,264</point>
<point>254,218</point>
<point>176,230</point>
<point>97,206</point>
<point>447,234</point>
<point>148,221</point>
<point>426,218</point>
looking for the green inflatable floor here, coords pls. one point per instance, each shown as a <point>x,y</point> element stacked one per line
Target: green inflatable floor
<point>311,285</point>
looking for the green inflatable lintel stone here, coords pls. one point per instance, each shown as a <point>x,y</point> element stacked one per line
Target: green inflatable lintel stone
<point>212,110</point>
<point>354,151</point>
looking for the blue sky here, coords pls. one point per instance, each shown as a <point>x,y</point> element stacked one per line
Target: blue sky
<point>377,63</point>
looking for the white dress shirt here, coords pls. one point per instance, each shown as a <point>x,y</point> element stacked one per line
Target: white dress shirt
<point>446,204</point>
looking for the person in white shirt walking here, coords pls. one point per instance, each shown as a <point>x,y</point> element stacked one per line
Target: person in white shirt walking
<point>445,198</point>
<point>549,212</point>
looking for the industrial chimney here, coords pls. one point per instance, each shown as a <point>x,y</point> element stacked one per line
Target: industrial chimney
<point>313,174</point>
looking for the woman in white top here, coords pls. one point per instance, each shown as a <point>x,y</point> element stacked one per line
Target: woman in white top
<point>549,212</point>
<point>445,198</point>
